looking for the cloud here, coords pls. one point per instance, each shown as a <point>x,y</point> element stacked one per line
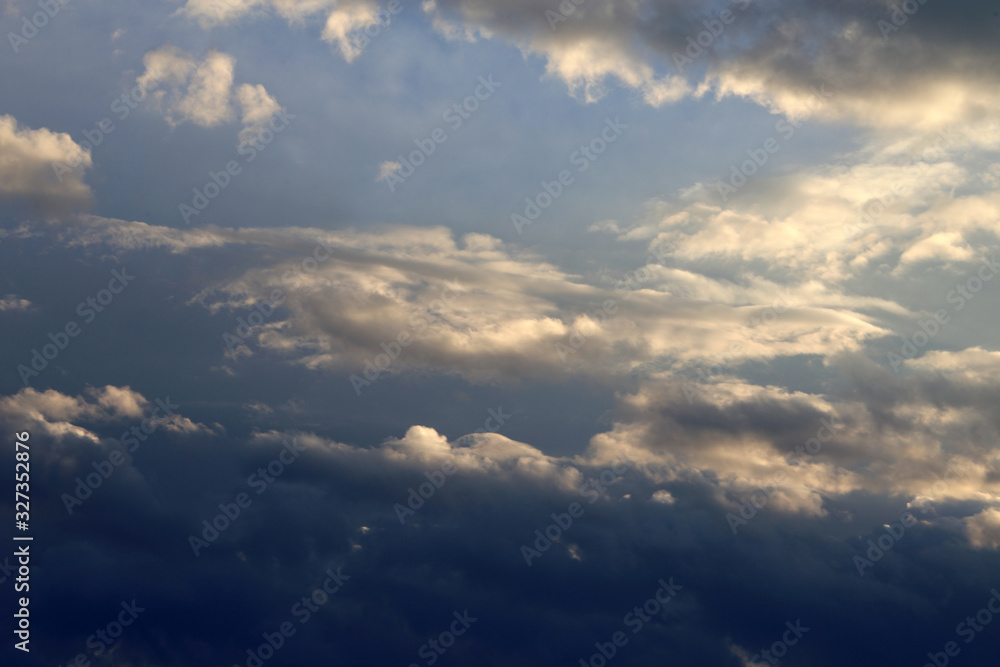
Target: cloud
<point>934,70</point>
<point>487,311</point>
<point>943,246</point>
<point>42,167</point>
<point>585,64</point>
<point>13,302</point>
<point>215,12</point>
<point>342,19</point>
<point>734,350</point>
<point>206,102</point>
<point>387,169</point>
<point>663,496</point>
<point>707,418</point>
<point>983,529</point>
<point>57,414</point>
<point>53,413</point>
<point>202,92</point>
<point>258,110</point>
<point>167,64</point>
<point>198,92</point>
<point>975,365</point>
<point>461,546</point>
<point>885,210</point>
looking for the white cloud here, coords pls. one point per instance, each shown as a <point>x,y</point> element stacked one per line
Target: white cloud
<point>345,20</point>
<point>202,92</point>
<point>43,167</point>
<point>58,415</point>
<point>207,100</point>
<point>258,110</point>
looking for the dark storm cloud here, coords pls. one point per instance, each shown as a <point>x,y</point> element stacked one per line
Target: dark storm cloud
<point>332,507</point>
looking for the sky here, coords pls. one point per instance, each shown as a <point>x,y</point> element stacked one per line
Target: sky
<point>509,333</point>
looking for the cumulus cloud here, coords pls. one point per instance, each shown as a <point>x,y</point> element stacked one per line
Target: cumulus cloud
<point>196,92</point>
<point>930,445</point>
<point>58,415</point>
<point>206,101</point>
<point>202,92</point>
<point>42,167</point>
